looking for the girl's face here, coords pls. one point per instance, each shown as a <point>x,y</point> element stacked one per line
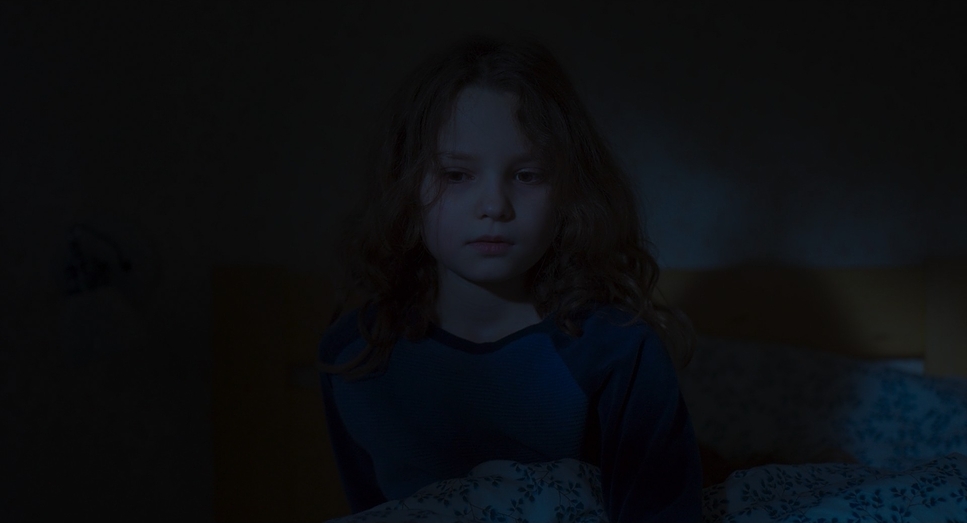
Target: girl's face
<point>493,185</point>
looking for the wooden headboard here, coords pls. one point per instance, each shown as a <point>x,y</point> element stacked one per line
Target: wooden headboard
<point>879,312</point>
<point>271,449</point>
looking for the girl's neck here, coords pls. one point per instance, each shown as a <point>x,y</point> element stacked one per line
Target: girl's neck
<point>481,314</point>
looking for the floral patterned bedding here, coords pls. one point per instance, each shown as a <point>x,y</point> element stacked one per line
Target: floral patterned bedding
<point>505,491</point>
<point>900,437</point>
<point>845,492</point>
<point>570,491</point>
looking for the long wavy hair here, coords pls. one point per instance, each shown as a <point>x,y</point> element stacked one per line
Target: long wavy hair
<point>599,254</point>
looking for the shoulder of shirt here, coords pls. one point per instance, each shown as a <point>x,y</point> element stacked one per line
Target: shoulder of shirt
<point>342,333</point>
<point>610,322</point>
<point>609,316</point>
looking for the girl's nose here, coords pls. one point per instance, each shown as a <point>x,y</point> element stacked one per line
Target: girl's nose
<point>494,202</point>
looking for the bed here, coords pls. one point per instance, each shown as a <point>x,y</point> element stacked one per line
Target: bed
<point>815,393</point>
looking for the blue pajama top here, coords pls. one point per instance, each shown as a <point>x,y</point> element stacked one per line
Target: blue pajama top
<point>444,405</point>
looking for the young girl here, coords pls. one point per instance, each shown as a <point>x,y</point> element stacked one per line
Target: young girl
<point>504,294</point>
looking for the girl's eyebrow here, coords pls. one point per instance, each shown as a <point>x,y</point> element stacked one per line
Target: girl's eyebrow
<point>457,155</point>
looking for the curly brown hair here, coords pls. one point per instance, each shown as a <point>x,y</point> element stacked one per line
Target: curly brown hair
<point>599,255</point>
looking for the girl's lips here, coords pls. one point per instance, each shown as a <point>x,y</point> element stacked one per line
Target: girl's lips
<point>494,248</point>
<point>491,238</point>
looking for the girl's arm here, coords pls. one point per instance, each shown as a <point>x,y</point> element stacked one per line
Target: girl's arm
<point>355,466</point>
<point>650,464</point>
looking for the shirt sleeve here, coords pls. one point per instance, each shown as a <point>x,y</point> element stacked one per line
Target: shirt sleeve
<point>356,470</point>
<point>650,464</point>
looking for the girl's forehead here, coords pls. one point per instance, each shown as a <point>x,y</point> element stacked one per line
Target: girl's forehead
<point>474,95</point>
<point>482,121</point>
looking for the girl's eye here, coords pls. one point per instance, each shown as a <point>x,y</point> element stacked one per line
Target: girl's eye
<point>532,175</point>
<point>529,177</point>
<point>448,174</point>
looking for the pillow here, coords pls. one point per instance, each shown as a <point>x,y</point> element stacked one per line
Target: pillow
<point>755,402</point>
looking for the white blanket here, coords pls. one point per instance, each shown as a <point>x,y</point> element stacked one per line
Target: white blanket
<point>570,491</point>
<point>565,490</point>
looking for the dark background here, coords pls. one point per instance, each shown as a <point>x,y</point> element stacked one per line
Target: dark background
<point>820,134</point>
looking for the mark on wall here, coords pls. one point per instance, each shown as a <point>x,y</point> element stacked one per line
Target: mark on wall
<point>107,273</point>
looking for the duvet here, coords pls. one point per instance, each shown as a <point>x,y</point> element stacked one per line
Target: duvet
<point>502,490</point>
<point>570,491</point>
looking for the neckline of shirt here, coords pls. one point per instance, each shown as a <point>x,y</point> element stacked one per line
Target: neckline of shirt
<point>452,340</point>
